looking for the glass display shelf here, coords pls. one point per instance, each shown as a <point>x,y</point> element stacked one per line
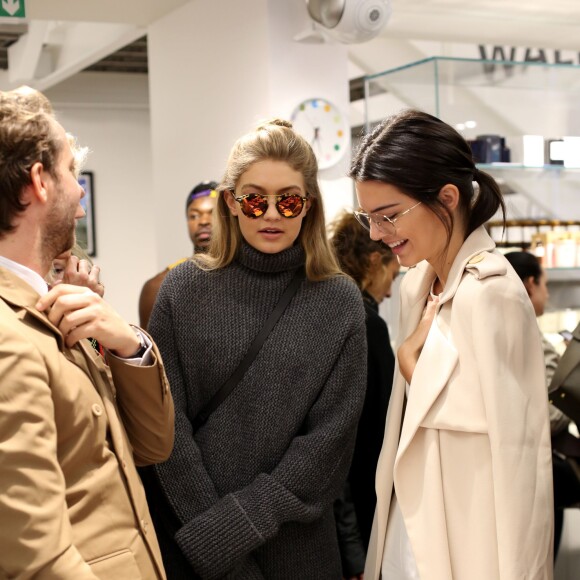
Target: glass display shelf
<point>506,99</point>
<point>482,96</point>
<point>520,167</point>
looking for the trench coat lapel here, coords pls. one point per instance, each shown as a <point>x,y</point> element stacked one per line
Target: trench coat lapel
<point>439,356</point>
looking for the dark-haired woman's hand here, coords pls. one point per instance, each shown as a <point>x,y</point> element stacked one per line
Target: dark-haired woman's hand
<point>409,351</point>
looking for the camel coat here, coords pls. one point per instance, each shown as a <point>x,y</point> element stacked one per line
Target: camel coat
<point>71,503</point>
<point>471,462</point>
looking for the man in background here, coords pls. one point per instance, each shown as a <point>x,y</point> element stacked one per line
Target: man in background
<point>74,424</point>
<point>199,208</point>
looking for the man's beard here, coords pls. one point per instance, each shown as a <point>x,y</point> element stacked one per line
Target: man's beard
<point>59,228</point>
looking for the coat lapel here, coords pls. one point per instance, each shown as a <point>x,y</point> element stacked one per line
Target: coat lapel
<point>439,356</point>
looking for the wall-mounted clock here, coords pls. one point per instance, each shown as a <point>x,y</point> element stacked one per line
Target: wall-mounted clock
<point>324,126</point>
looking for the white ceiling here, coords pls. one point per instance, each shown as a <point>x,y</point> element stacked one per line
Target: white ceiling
<point>552,24</point>
<point>66,36</point>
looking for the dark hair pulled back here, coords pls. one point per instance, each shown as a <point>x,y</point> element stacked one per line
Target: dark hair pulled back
<point>420,154</point>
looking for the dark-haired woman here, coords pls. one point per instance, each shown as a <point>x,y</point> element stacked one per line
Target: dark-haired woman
<point>464,481</point>
<point>566,488</point>
<point>251,490</point>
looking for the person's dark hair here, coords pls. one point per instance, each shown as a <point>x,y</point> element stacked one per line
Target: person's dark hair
<point>420,154</point>
<point>27,136</point>
<point>203,186</point>
<point>353,248</point>
<point>525,265</point>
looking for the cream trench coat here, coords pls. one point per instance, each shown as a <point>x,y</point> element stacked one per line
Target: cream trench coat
<point>71,502</point>
<point>471,463</point>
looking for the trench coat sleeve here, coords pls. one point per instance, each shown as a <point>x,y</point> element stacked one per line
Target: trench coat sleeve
<point>146,407</point>
<point>510,366</point>
<point>35,532</point>
<point>301,487</point>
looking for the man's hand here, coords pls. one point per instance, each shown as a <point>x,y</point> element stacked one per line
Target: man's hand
<point>79,313</point>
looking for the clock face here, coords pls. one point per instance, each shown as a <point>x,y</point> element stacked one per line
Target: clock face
<point>324,127</point>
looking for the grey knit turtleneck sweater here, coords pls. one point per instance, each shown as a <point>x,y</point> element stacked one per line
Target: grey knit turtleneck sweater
<point>253,488</point>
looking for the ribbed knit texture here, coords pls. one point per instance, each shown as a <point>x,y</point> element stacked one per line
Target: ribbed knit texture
<point>253,488</point>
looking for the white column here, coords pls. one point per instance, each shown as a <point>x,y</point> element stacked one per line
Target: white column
<point>216,68</point>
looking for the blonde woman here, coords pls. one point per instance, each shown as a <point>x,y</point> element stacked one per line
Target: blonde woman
<point>249,493</point>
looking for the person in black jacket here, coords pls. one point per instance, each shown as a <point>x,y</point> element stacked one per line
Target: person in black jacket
<point>373,267</point>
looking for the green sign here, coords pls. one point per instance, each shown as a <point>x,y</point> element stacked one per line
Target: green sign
<point>12,9</point>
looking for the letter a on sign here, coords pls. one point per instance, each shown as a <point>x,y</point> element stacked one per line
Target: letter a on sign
<point>12,9</point>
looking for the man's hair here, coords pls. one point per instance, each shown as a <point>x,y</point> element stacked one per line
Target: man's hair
<point>27,136</point>
<point>203,189</point>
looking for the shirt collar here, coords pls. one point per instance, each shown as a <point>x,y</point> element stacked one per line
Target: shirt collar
<point>26,274</point>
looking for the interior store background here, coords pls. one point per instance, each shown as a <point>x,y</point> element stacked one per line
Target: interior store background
<point>213,68</point>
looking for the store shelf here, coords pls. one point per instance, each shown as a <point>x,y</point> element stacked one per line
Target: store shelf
<point>563,275</point>
<point>520,167</point>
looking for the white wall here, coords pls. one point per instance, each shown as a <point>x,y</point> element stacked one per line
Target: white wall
<point>110,114</point>
<point>211,85</point>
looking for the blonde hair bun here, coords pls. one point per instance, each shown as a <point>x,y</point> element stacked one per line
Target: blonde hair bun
<point>276,122</point>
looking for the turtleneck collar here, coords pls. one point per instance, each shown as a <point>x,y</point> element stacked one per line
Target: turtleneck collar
<point>253,259</point>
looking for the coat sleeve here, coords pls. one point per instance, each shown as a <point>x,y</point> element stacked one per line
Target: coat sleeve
<point>300,488</point>
<point>35,532</point>
<point>146,407</point>
<point>510,366</point>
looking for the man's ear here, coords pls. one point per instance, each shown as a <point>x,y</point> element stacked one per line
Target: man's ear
<point>529,284</point>
<point>232,203</point>
<point>38,184</point>
<point>449,196</point>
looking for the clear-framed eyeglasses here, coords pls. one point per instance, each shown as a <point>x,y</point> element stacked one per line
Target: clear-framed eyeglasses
<point>383,223</point>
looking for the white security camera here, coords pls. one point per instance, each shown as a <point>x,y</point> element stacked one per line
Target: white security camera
<point>350,21</point>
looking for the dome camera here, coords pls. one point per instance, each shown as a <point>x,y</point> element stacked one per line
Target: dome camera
<point>350,21</point>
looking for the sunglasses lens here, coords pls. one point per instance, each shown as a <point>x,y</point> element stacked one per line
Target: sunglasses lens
<point>290,206</point>
<point>254,206</point>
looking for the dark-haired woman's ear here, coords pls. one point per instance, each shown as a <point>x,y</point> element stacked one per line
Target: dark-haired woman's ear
<point>232,203</point>
<point>449,196</point>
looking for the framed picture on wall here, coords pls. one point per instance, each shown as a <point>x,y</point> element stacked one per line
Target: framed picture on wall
<point>85,229</point>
